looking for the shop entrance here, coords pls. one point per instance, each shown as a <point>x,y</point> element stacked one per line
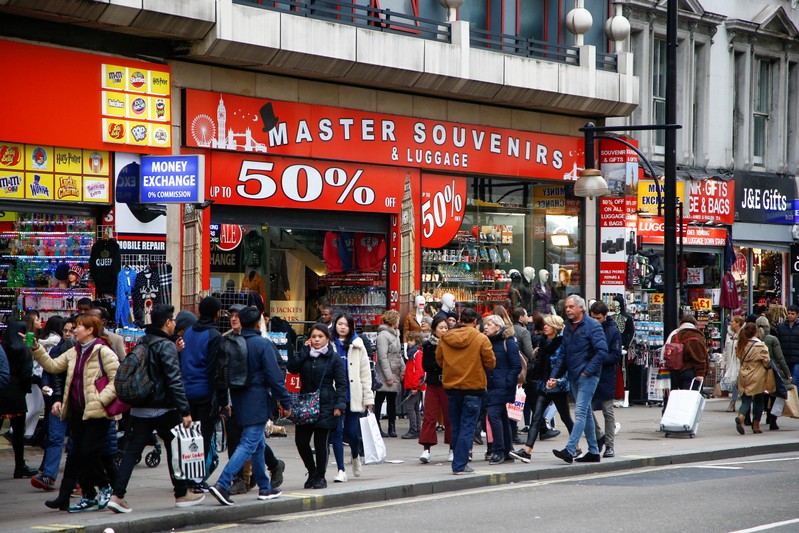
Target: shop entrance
<point>299,261</point>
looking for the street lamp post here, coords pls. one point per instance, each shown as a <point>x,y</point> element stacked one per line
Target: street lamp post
<point>670,301</point>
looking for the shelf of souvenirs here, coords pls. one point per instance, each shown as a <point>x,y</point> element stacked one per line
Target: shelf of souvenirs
<point>63,223</point>
<point>46,257</point>
<point>466,296</point>
<point>14,234</point>
<point>358,296</point>
<point>364,279</point>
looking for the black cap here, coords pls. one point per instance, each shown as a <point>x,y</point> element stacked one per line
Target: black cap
<point>236,308</point>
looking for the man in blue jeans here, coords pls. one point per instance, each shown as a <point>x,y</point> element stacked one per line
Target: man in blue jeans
<point>584,350</point>
<point>252,408</point>
<point>788,334</point>
<point>465,355</point>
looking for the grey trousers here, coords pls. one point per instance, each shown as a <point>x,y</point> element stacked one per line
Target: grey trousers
<point>610,423</point>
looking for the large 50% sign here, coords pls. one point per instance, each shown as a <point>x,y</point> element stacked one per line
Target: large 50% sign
<point>301,183</point>
<point>445,203</point>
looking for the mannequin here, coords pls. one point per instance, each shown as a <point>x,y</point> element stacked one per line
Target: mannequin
<point>515,289</point>
<point>414,319</point>
<point>542,293</point>
<point>527,288</point>
<point>255,283</point>
<point>447,305</point>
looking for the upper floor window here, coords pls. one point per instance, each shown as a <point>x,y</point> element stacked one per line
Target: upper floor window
<point>659,93</point>
<point>761,107</point>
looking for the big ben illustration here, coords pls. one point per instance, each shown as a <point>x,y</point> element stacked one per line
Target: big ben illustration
<point>407,286</point>
<point>221,119</point>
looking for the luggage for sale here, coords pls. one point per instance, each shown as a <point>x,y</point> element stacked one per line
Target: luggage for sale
<point>683,412</point>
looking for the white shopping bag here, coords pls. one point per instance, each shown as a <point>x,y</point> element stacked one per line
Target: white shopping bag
<point>188,453</point>
<point>549,415</point>
<point>374,448</point>
<point>778,406</point>
<point>516,409</point>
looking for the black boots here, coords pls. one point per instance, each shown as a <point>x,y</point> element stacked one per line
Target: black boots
<point>392,430</point>
<point>64,492</point>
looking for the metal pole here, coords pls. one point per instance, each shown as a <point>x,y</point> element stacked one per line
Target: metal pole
<point>680,263</point>
<point>670,187</point>
<point>589,146</point>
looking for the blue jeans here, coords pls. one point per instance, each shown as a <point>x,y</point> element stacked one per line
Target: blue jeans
<point>250,448</point>
<point>55,445</point>
<point>500,429</point>
<point>348,425</point>
<point>583,389</point>
<point>795,373</point>
<point>464,409</point>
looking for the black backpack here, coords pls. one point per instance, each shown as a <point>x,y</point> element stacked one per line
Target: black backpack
<point>132,381</point>
<point>233,371</point>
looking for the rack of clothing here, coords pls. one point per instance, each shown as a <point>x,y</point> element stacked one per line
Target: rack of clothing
<point>143,281</point>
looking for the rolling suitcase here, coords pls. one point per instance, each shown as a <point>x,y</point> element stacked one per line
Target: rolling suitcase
<point>683,412</point>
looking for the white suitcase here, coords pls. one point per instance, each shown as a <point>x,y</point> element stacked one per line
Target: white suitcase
<point>683,412</point>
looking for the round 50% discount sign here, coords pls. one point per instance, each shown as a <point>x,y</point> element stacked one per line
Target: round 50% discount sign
<point>443,204</point>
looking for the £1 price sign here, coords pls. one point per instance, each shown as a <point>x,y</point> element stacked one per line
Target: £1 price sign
<point>443,204</point>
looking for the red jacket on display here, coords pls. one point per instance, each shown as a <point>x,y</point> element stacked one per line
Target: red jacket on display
<point>330,252</point>
<point>370,251</point>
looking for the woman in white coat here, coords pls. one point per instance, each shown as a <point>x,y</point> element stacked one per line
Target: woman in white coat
<point>731,363</point>
<point>360,397</point>
<point>390,369</point>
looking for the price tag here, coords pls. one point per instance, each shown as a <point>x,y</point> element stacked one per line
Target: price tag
<point>656,298</point>
<point>293,382</point>
<point>703,304</point>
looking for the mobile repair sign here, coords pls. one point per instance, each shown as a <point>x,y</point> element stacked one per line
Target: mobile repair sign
<point>177,179</point>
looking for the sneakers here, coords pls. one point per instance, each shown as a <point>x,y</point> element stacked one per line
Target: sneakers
<point>58,503</point>
<point>588,458</point>
<point>119,505</point>
<point>269,494</point>
<point>564,454</point>
<point>104,496</point>
<point>410,435</point>
<point>609,453</point>
<point>191,498</point>
<point>320,483</point>
<point>425,457</point>
<point>276,475</point>
<point>466,470</point>
<point>451,456</point>
<point>341,477</point>
<point>24,471</point>
<point>496,459</point>
<point>43,482</point>
<point>84,504</point>
<point>357,466</point>
<point>522,455</point>
<point>238,486</point>
<point>221,495</point>
<point>201,488</point>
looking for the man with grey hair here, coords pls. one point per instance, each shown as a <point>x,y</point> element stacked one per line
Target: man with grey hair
<point>585,350</point>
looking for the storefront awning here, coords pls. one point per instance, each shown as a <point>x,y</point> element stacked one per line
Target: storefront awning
<point>771,236</point>
<point>695,173</point>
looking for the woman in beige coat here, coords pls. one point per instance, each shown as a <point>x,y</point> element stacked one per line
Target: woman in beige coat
<point>390,368</point>
<point>754,358</point>
<point>84,407</point>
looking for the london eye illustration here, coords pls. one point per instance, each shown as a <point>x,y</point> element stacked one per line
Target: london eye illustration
<point>203,130</point>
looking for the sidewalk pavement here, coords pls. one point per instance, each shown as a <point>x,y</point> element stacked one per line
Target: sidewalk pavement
<point>638,445</point>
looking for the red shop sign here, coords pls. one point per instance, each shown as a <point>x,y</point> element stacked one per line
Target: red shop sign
<point>650,230</point>
<point>443,205</point>
<point>280,182</point>
<point>230,236</point>
<point>324,132</point>
<point>712,200</point>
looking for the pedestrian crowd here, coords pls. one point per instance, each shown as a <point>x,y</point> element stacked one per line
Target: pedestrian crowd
<point>457,373</point>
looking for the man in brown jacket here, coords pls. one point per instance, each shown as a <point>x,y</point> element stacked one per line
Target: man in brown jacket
<point>464,354</point>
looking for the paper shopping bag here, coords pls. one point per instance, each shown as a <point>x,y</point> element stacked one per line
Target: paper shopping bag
<point>374,448</point>
<point>516,409</point>
<point>791,408</point>
<point>188,454</point>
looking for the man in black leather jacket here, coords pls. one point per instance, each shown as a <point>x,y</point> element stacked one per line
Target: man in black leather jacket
<point>162,411</point>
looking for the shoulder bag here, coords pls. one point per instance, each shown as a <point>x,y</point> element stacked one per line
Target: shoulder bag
<point>116,407</point>
<point>306,409</point>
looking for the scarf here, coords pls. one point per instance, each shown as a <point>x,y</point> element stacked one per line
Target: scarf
<point>316,353</point>
<point>433,340</point>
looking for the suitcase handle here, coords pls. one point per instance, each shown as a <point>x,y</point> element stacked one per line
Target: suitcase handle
<point>691,386</point>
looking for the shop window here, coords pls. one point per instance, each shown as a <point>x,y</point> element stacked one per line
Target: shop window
<point>509,225</point>
<point>761,108</point>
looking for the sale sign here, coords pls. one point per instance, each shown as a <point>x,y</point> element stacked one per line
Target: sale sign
<point>711,200</point>
<point>324,132</point>
<point>263,181</point>
<point>443,205</point>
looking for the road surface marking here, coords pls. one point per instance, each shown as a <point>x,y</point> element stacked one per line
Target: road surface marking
<point>781,459</point>
<point>764,527</point>
<point>59,527</point>
<point>214,528</point>
<point>716,467</point>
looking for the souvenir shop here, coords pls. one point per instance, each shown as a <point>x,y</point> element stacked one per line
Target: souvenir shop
<point>57,226</point>
<point>762,239</point>
<point>410,211</point>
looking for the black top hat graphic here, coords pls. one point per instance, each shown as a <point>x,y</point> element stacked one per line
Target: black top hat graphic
<point>268,117</point>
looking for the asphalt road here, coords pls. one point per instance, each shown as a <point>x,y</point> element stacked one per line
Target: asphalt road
<point>758,492</point>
